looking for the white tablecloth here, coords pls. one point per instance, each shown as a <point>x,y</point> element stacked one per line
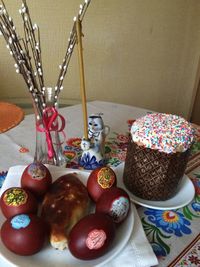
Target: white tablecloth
<point>138,252</point>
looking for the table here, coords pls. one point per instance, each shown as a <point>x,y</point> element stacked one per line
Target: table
<point>173,234</point>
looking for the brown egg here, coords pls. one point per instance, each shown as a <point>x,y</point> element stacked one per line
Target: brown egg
<point>36,178</point>
<point>24,234</point>
<point>99,181</point>
<point>16,200</point>
<point>115,202</point>
<point>92,236</point>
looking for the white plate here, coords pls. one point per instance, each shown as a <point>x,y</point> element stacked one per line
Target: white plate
<point>183,197</point>
<point>51,257</point>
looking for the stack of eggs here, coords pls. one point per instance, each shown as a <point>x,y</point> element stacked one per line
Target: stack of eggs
<point>92,236</point>
<point>23,232</point>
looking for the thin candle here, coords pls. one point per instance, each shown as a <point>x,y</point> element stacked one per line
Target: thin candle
<point>82,76</point>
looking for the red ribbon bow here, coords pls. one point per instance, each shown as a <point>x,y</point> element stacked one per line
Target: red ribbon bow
<point>50,123</point>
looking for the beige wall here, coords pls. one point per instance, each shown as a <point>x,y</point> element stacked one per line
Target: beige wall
<point>137,52</point>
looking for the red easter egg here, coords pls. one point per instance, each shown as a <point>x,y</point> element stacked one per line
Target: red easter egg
<point>24,234</point>
<point>16,200</point>
<point>36,178</point>
<point>92,236</point>
<point>99,181</point>
<point>115,203</point>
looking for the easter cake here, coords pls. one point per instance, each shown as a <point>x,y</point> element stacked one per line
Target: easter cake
<point>157,155</point>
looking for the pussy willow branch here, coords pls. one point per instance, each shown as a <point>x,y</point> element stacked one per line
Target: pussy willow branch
<point>13,44</point>
<point>19,49</point>
<point>34,42</point>
<point>71,43</point>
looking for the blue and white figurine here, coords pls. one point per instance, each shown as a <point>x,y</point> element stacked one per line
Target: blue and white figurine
<point>93,155</point>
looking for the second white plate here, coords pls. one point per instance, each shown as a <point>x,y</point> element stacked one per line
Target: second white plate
<point>183,197</point>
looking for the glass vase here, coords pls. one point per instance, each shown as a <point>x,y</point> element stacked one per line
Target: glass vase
<point>49,133</point>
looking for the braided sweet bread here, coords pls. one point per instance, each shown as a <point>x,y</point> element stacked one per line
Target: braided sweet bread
<point>65,203</point>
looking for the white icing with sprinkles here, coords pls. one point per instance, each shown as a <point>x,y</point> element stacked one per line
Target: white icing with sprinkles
<point>164,132</point>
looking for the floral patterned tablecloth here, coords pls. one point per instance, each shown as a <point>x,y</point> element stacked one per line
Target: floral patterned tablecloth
<point>173,234</point>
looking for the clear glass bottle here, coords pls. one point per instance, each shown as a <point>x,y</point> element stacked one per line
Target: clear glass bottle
<point>48,140</point>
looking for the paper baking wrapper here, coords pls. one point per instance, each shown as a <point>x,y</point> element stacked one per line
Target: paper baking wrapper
<point>153,175</point>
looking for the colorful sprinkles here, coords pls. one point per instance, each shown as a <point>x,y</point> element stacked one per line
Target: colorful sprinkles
<point>163,132</point>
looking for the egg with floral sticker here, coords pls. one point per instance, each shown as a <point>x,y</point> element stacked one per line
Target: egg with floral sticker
<point>92,236</point>
<point>100,180</point>
<point>24,234</point>
<point>116,203</point>
<point>16,200</point>
<point>36,178</point>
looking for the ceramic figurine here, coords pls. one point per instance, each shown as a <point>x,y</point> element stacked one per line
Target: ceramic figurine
<point>93,155</point>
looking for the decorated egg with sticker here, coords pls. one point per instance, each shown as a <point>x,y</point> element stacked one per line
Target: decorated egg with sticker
<point>100,180</point>
<point>92,236</point>
<point>16,200</point>
<point>116,203</point>
<point>36,178</point>
<point>24,234</point>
